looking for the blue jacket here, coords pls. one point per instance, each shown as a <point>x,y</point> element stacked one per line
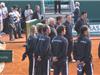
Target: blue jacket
<point>43,46</point>
<point>59,47</point>
<point>31,44</point>
<point>82,49</point>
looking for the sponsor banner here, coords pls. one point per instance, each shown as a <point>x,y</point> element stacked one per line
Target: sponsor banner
<point>5,55</point>
<point>94,30</point>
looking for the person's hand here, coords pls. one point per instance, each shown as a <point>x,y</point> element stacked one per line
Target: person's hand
<point>83,63</point>
<point>23,56</point>
<point>39,58</point>
<point>78,62</point>
<point>55,59</point>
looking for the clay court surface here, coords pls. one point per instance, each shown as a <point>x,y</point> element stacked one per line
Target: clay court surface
<point>18,67</point>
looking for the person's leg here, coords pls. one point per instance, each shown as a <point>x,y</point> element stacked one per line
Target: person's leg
<point>19,30</point>
<point>5,24</point>
<point>88,68</point>
<point>38,68</point>
<point>70,47</point>
<point>80,69</point>
<point>11,32</point>
<point>16,30</point>
<point>64,68</point>
<point>30,64</point>
<point>56,68</point>
<point>59,6</point>
<point>55,6</point>
<point>15,33</point>
<point>44,66</point>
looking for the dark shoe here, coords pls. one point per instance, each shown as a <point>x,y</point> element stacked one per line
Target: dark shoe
<point>12,39</point>
<point>16,37</point>
<point>20,37</point>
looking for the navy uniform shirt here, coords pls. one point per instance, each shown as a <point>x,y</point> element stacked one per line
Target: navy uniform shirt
<point>31,44</point>
<point>82,49</point>
<point>59,47</point>
<point>43,46</point>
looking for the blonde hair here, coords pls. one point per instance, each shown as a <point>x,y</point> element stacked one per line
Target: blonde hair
<point>33,30</point>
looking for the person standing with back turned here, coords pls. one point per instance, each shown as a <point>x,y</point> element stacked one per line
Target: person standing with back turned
<point>82,50</point>
<point>59,48</point>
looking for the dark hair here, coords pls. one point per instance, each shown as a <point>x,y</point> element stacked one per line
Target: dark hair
<point>58,18</point>
<point>40,28</point>
<point>45,27</point>
<point>15,6</point>
<point>60,29</point>
<point>26,7</point>
<point>83,12</point>
<point>83,29</point>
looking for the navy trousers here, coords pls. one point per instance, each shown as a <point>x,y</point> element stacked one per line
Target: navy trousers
<point>60,67</point>
<point>19,29</point>
<point>30,64</point>
<point>86,69</point>
<point>70,50</point>
<point>41,67</point>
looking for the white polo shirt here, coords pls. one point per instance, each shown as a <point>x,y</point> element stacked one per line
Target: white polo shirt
<point>28,14</point>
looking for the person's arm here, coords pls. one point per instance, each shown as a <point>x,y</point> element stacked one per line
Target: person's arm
<point>77,26</point>
<point>30,45</point>
<point>75,50</point>
<point>87,53</point>
<point>31,12</point>
<point>64,51</point>
<point>47,47</point>
<point>18,15</point>
<point>65,47</point>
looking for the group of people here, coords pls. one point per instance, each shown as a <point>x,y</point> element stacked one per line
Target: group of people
<point>16,19</point>
<point>10,22</point>
<point>51,43</point>
<point>13,21</point>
